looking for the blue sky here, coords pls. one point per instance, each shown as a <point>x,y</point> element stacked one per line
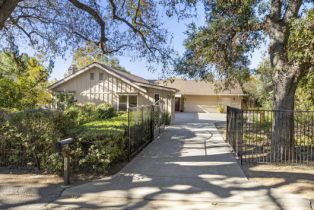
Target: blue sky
<point>138,67</point>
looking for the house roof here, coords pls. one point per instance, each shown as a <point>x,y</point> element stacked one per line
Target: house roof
<point>135,81</point>
<point>194,87</point>
<point>129,76</point>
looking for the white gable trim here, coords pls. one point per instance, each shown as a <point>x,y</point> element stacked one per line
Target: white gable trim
<point>99,67</point>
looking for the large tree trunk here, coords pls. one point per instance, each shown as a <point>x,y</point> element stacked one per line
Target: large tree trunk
<point>283,117</point>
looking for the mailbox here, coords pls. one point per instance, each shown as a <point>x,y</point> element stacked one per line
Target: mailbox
<point>61,143</point>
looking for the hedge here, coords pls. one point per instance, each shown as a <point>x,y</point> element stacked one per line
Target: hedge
<point>27,138</point>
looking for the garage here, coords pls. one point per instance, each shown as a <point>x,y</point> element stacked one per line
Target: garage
<point>200,103</point>
<point>204,96</point>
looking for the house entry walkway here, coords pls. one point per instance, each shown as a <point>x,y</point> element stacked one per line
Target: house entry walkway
<point>188,167</point>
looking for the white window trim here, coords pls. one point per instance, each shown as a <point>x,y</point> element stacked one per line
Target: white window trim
<point>127,100</point>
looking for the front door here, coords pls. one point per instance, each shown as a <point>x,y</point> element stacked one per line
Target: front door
<point>177,106</point>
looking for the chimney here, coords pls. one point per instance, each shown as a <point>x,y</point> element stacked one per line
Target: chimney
<point>71,70</point>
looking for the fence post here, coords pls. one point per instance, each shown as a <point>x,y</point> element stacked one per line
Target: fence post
<point>241,136</point>
<point>66,165</point>
<point>152,123</point>
<point>227,126</point>
<point>142,111</point>
<point>129,136</point>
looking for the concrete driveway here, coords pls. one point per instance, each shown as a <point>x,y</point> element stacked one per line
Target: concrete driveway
<point>188,167</point>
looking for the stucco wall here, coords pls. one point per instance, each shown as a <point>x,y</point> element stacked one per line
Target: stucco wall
<point>193,103</point>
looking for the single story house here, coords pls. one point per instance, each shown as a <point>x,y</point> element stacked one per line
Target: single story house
<point>98,83</point>
<point>203,96</point>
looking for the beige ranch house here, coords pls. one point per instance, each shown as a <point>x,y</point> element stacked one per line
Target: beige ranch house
<point>98,83</point>
<point>202,96</point>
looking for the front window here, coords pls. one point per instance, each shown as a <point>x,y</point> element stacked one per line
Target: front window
<point>101,76</point>
<point>127,101</point>
<point>132,101</point>
<point>91,75</point>
<point>123,102</point>
<point>157,99</point>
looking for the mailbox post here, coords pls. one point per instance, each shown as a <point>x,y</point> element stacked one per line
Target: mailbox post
<point>63,147</point>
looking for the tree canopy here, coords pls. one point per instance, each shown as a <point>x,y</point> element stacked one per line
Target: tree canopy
<point>90,53</point>
<point>234,30</point>
<point>132,27</point>
<point>23,82</point>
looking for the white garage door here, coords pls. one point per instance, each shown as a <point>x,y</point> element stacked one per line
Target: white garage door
<point>200,104</point>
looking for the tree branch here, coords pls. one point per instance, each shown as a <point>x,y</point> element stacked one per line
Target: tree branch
<point>97,18</point>
<point>135,30</point>
<point>292,10</point>
<point>275,11</point>
<point>6,9</point>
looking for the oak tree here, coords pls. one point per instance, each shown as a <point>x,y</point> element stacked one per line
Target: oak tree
<point>234,29</point>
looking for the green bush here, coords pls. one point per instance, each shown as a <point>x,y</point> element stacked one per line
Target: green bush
<point>29,139</point>
<point>166,118</point>
<point>64,100</point>
<point>99,143</point>
<point>89,112</point>
<point>105,111</point>
<point>31,135</point>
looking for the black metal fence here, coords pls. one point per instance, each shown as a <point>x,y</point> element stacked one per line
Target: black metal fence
<point>254,136</point>
<point>144,124</point>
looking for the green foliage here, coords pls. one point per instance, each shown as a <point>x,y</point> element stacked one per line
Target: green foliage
<point>34,133</point>
<point>101,143</point>
<point>91,53</point>
<point>261,88</point>
<point>63,100</point>
<point>166,118</point>
<point>305,93</point>
<point>23,82</point>
<point>105,111</point>
<point>29,138</point>
<point>89,112</point>
<point>221,48</point>
<point>300,44</point>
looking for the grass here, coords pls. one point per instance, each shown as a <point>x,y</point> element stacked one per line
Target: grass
<point>115,125</point>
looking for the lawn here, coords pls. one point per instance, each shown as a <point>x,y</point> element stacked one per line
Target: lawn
<point>115,125</point>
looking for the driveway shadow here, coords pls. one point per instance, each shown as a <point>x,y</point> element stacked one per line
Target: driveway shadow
<point>180,171</point>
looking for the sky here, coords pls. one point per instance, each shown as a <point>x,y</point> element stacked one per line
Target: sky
<point>138,67</point>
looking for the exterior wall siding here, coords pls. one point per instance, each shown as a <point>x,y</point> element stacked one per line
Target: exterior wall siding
<point>96,91</point>
<point>108,90</point>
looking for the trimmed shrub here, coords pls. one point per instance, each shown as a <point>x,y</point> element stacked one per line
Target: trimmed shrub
<point>99,143</point>
<point>105,111</point>
<point>28,139</point>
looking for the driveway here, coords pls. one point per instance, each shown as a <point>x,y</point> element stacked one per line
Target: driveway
<point>188,167</point>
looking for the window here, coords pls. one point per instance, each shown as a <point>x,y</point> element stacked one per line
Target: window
<point>157,99</point>
<point>101,76</point>
<point>91,76</point>
<point>127,101</point>
<point>132,101</point>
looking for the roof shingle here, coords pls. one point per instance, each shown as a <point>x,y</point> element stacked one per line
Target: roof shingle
<point>194,87</point>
